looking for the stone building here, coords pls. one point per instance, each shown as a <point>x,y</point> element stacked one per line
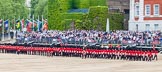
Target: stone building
<point>121,6</point>
<point>145,15</point>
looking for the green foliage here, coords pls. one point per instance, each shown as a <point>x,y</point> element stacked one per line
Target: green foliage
<point>13,8</point>
<point>65,24</point>
<point>98,16</point>
<point>39,8</point>
<point>97,2</point>
<point>10,9</point>
<point>76,4</point>
<point>116,21</point>
<point>70,17</point>
<point>53,14</point>
<point>33,5</point>
<point>73,16</point>
<point>84,4</point>
<point>57,14</point>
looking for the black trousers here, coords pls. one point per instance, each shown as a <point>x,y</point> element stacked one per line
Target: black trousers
<point>155,57</point>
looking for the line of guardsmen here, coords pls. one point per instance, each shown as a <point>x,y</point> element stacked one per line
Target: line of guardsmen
<point>110,53</point>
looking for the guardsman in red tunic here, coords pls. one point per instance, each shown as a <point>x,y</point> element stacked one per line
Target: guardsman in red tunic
<point>5,48</point>
<point>121,54</point>
<point>77,52</point>
<point>18,50</point>
<point>145,58</point>
<point>84,54</point>
<point>111,54</point>
<point>80,52</point>
<point>51,51</point>
<point>135,55</point>
<point>64,51</point>
<point>124,52</point>
<point>99,54</point>
<point>149,56</point>
<point>57,51</point>
<point>93,54</point>
<point>1,47</point>
<point>71,51</point>
<point>39,51</point>
<point>107,54</point>
<point>32,51</point>
<point>43,50</point>
<point>88,53</point>
<point>117,54</point>
<point>141,55</point>
<point>48,51</point>
<point>130,55</point>
<point>67,52</point>
<point>138,55</point>
<point>74,52</point>
<point>104,54</point>
<point>155,57</point>
<point>60,52</point>
<point>96,53</point>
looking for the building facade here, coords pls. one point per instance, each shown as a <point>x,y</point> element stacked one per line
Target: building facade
<point>121,6</point>
<point>118,5</point>
<point>145,15</point>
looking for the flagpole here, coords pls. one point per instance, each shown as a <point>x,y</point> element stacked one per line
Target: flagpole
<point>22,21</point>
<point>33,22</point>
<point>3,29</point>
<point>9,37</point>
<point>20,24</point>
<point>26,22</point>
<point>38,23</point>
<point>14,23</point>
<point>14,28</point>
<point>42,22</point>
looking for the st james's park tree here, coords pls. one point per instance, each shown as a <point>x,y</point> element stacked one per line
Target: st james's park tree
<point>13,8</point>
<point>39,8</point>
<point>96,16</point>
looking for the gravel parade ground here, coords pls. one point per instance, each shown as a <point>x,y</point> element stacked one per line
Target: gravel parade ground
<point>33,63</point>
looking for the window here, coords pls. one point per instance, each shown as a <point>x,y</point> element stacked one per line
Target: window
<point>137,10</point>
<point>147,10</point>
<point>147,27</point>
<point>156,26</point>
<point>156,9</point>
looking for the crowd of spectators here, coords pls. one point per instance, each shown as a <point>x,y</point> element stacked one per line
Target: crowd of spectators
<point>91,37</point>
